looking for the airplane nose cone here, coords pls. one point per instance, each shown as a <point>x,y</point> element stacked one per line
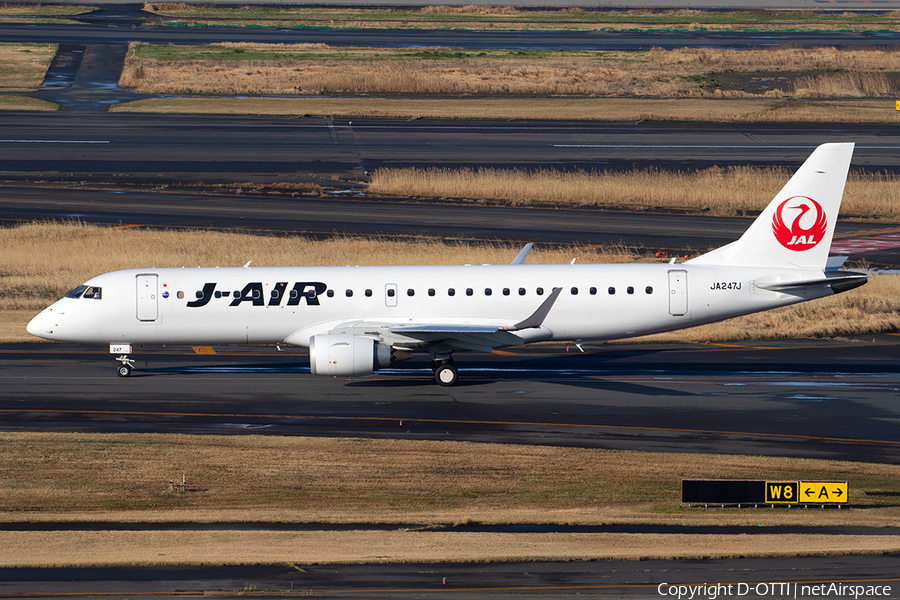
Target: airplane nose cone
<point>34,326</point>
<point>41,326</point>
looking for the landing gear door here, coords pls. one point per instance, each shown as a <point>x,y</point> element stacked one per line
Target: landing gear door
<point>678,300</point>
<point>147,297</point>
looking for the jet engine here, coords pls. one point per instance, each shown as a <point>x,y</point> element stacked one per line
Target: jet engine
<point>343,354</point>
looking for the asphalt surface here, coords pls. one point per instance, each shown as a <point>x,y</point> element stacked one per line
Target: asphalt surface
<point>338,214</point>
<point>609,579</point>
<point>121,33</point>
<point>168,146</point>
<point>816,399</point>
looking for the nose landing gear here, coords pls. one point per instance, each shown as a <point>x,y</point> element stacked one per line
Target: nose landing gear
<point>126,366</point>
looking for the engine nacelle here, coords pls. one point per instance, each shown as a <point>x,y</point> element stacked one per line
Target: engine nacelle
<point>342,354</point>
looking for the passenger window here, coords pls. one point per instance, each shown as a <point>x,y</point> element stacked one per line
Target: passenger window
<point>349,293</point>
<point>630,290</point>
<point>593,291</point>
<point>540,291</point>
<point>506,291</point>
<point>217,294</point>
<point>431,291</point>
<point>180,295</point>
<point>451,292</point>
<point>368,293</point>
<point>487,291</point>
<point>648,289</point>
<point>294,293</point>
<point>574,291</point>
<point>329,293</point>
<point>521,291</point>
<point>469,291</point>
<point>391,292</point>
<point>410,292</point>
<point>612,291</point>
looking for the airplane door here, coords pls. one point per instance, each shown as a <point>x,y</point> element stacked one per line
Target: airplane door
<point>147,301</point>
<point>390,294</point>
<point>678,301</point>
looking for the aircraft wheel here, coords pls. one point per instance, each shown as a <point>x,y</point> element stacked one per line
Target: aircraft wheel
<point>446,374</point>
<point>124,370</point>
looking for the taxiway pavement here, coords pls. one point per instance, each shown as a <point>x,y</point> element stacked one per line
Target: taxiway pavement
<point>834,400</point>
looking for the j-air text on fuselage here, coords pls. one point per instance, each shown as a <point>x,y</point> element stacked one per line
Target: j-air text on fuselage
<point>355,320</point>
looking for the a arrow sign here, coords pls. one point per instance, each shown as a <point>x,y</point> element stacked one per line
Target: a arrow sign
<point>823,492</point>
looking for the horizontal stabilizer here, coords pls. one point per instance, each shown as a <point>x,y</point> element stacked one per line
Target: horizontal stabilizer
<point>837,281</point>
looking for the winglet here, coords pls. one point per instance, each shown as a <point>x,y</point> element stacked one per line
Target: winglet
<point>537,318</point>
<point>523,254</point>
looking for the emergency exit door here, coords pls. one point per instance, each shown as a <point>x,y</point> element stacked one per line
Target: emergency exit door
<point>678,300</point>
<point>147,298</point>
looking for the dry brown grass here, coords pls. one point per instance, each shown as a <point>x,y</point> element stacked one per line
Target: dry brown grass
<point>719,191</point>
<point>42,262</point>
<point>657,73</point>
<point>26,103</point>
<point>22,66</point>
<point>599,109</point>
<point>508,17</point>
<point>102,548</point>
<point>48,476</point>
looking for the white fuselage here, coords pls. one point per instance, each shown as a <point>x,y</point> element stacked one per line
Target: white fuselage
<point>270,305</point>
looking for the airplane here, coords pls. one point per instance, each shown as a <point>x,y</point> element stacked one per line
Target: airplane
<point>357,319</point>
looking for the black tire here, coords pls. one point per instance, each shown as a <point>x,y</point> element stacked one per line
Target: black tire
<point>124,370</point>
<point>446,375</point>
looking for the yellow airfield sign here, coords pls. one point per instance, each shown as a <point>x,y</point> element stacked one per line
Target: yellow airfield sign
<point>782,492</point>
<point>820,492</point>
<point>806,492</point>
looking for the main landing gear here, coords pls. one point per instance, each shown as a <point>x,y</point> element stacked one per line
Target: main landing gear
<point>126,366</point>
<point>445,372</point>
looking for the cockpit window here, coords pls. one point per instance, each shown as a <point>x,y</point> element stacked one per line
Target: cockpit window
<point>76,293</point>
<point>86,291</point>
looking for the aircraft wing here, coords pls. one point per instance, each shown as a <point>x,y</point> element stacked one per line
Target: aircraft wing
<point>478,337</point>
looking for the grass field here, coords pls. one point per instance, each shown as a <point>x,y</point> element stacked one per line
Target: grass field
<point>26,103</point>
<point>66,477</point>
<point>509,17</point>
<point>44,14</point>
<point>22,66</point>
<point>44,261</point>
<point>309,69</point>
<point>718,191</point>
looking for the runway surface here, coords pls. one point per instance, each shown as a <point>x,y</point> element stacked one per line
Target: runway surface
<point>336,214</point>
<point>554,40</point>
<point>167,146</point>
<point>807,399</point>
<point>611,579</point>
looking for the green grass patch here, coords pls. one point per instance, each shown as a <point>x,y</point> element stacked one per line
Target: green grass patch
<point>26,103</point>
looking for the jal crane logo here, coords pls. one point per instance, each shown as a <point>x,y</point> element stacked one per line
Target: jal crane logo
<point>799,223</point>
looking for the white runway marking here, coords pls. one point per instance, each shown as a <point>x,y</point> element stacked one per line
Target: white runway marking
<point>54,142</point>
